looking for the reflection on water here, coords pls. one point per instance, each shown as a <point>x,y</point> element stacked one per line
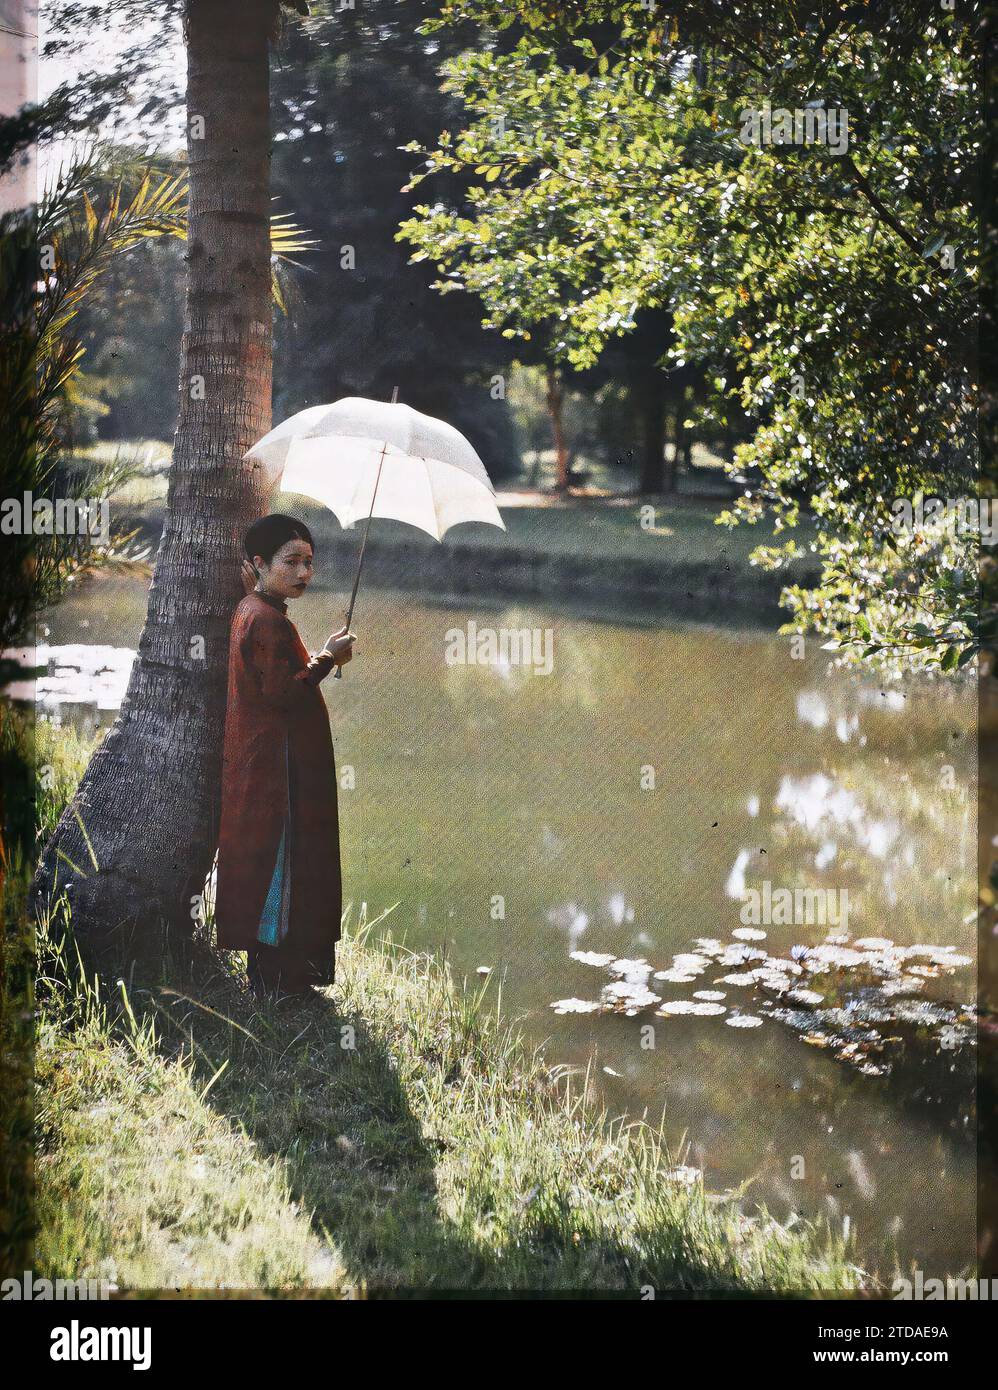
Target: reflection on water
<point>822,806</point>
<point>89,679</point>
<point>604,824</point>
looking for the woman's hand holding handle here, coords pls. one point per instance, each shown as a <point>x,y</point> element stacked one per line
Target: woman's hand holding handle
<point>340,648</point>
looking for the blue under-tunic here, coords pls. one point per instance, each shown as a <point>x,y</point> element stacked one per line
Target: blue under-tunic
<point>274,918</point>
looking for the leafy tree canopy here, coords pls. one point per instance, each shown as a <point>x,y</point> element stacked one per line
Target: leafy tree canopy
<point>616,158</point>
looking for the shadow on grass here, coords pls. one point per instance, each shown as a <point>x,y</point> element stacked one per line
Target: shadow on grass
<point>316,1091</point>
<point>327,1102</point>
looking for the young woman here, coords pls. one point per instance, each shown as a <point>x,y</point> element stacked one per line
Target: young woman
<point>278,894</point>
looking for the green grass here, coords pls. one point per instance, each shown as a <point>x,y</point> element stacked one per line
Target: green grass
<point>684,532</point>
<point>392,1134</point>
<point>150,461</point>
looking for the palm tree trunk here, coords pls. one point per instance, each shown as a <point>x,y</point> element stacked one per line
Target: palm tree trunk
<point>137,841</point>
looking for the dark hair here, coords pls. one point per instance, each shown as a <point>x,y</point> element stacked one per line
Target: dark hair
<point>266,536</point>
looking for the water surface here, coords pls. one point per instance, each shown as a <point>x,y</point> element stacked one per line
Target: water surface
<point>621,805</point>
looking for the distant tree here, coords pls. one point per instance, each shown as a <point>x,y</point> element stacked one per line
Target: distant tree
<point>349,90</point>
<point>120,85</point>
<point>132,329</point>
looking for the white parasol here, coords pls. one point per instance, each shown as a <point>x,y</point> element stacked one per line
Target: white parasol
<point>378,458</point>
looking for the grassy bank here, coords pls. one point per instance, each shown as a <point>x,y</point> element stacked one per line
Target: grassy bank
<point>680,533</point>
<point>392,1134</point>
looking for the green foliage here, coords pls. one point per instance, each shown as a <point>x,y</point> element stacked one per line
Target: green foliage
<point>51,259</point>
<point>831,291</point>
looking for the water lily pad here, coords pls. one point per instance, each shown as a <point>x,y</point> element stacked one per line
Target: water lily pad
<point>908,984</point>
<point>881,1008</point>
<point>597,958</point>
<point>739,954</point>
<point>785,967</point>
<point>689,1006</point>
<point>576,1006</point>
<point>806,996</point>
<point>630,969</point>
<point>841,956</point>
<point>690,960</point>
<point>923,1011</point>
<point>772,979</point>
<point>952,959</point>
<point>709,945</point>
<point>628,997</point>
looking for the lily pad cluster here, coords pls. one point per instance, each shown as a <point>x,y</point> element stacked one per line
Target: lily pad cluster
<point>854,998</point>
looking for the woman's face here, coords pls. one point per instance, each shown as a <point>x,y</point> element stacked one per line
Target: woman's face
<point>289,572</point>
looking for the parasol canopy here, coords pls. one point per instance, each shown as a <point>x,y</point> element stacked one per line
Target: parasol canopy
<point>430,476</point>
<point>364,458</point>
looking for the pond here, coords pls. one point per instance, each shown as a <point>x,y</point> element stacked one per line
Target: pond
<point>587,817</point>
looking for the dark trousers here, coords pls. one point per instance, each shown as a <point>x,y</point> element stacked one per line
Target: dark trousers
<point>284,969</point>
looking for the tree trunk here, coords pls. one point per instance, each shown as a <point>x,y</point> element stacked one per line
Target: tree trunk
<point>554,400</point>
<point>670,463</point>
<point>137,841</point>
<point>652,478</point>
<point>682,442</point>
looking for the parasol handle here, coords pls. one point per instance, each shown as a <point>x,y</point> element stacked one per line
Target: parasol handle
<point>338,673</point>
